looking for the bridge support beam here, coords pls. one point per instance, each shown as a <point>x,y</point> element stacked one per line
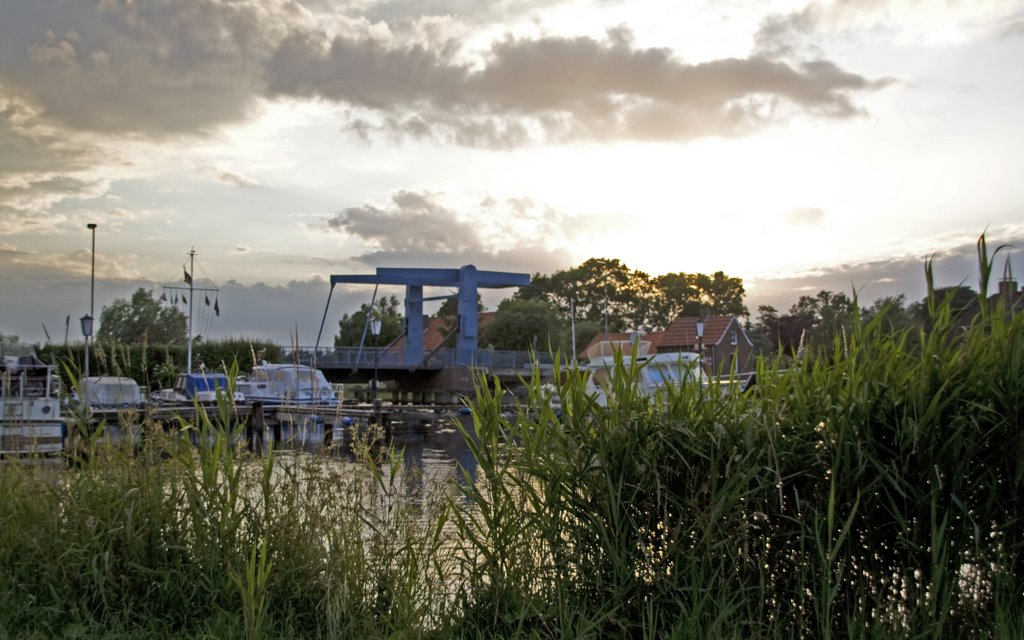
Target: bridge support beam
<point>414,322</point>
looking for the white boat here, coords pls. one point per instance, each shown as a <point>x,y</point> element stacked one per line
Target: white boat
<point>30,406</point>
<point>657,371</point>
<point>112,392</point>
<point>196,387</point>
<point>286,384</point>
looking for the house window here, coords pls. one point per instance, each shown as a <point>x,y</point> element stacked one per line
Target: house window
<point>734,339</point>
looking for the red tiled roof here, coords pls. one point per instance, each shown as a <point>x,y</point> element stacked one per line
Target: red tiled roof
<point>655,338</point>
<point>682,333</point>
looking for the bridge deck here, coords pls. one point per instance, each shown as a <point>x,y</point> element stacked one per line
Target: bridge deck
<point>357,358</point>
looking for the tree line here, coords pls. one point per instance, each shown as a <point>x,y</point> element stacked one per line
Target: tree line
<point>599,295</point>
<point>140,338</point>
<point>604,295</point>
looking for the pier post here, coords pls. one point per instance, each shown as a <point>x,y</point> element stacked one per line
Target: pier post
<point>255,428</point>
<point>328,430</point>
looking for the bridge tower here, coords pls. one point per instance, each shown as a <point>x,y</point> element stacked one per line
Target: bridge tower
<point>467,279</point>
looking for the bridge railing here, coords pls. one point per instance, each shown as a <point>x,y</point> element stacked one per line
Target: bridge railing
<point>383,358</point>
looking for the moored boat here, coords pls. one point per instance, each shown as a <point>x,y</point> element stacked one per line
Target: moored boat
<point>286,384</point>
<point>656,371</point>
<point>197,387</point>
<point>30,406</point>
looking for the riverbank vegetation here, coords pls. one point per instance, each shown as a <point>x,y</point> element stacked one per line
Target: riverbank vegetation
<point>873,488</point>
<point>156,366</point>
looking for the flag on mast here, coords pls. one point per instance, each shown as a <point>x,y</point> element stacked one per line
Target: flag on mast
<point>188,278</point>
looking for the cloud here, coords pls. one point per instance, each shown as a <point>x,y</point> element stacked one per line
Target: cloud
<point>158,70</point>
<point>801,33</point>
<point>414,222</point>
<point>243,249</point>
<point>807,216</point>
<point>473,12</point>
<point>28,267</point>
<point>41,166</point>
<point>783,36</point>
<point>1014,28</point>
<point>144,68</point>
<point>557,89</point>
<point>234,179</point>
<point>416,229</point>
<point>123,214</point>
<point>955,264</point>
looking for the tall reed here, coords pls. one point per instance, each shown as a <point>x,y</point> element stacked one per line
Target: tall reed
<point>871,489</point>
<point>874,489</point>
<point>190,535</point>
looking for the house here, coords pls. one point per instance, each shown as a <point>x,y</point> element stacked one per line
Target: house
<point>725,344</point>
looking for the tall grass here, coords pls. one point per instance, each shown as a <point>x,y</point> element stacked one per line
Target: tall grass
<point>873,489</point>
<point>870,490</point>
<point>192,536</point>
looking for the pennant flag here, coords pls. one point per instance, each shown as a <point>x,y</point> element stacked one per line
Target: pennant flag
<point>188,278</point>
<point>163,297</point>
<point>216,306</point>
<point>207,299</point>
<point>184,299</point>
<point>175,298</point>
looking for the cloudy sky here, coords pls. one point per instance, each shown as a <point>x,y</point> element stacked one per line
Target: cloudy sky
<point>795,145</point>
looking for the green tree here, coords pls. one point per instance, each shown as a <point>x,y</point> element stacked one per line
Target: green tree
<point>823,318</point>
<point>784,332</point>
<point>962,301</point>
<point>677,297</point>
<point>521,325</point>
<point>693,294</point>
<point>720,294</point>
<point>142,320</point>
<point>600,290</point>
<point>606,291</point>
<point>894,313</point>
<point>351,326</point>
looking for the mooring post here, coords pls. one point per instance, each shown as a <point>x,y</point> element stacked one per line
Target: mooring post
<point>256,427</point>
<point>328,431</point>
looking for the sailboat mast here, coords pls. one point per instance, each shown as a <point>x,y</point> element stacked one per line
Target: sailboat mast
<point>191,279</point>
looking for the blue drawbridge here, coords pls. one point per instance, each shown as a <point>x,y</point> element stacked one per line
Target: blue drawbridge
<point>468,280</point>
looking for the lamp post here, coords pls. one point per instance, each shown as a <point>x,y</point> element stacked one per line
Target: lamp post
<point>699,327</point>
<point>87,320</point>
<point>375,329</point>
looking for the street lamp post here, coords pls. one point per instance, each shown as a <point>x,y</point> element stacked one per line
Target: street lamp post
<point>375,329</point>
<point>87,320</point>
<point>699,327</point>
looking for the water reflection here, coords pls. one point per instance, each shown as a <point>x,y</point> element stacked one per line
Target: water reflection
<point>436,449</point>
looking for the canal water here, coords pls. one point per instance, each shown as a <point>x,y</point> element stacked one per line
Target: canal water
<point>436,449</point>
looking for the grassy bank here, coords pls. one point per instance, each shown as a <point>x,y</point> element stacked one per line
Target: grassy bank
<point>874,490</point>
